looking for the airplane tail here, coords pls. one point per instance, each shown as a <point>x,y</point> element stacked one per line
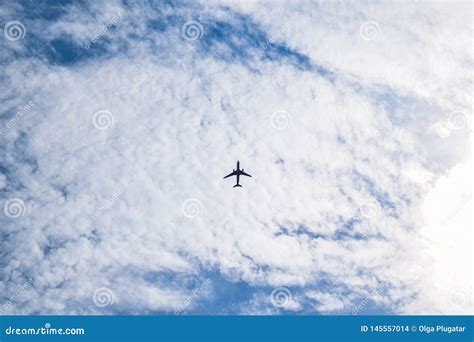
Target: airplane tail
<point>237,185</point>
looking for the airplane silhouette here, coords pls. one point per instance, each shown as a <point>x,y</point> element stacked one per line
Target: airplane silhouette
<point>237,173</point>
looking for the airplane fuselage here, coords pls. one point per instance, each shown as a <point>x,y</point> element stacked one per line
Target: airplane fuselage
<point>238,172</point>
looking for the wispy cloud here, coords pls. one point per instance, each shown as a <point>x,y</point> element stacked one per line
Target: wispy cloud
<point>120,119</point>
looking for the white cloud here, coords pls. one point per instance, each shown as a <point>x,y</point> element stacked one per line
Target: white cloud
<point>445,285</point>
<point>105,206</point>
<point>326,302</point>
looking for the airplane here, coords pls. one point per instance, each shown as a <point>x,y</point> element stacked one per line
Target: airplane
<point>237,173</point>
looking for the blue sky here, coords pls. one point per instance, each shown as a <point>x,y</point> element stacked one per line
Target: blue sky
<point>120,119</point>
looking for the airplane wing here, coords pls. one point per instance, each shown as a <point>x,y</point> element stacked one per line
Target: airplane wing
<point>230,174</point>
<point>245,174</point>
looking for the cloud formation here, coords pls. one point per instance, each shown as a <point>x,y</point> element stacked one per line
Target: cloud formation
<point>121,119</point>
